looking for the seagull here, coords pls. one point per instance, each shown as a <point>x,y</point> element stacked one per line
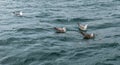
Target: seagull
<point>18,13</point>
<point>88,36</point>
<point>82,27</point>
<point>60,30</point>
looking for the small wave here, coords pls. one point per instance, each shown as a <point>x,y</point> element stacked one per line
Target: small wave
<point>78,55</point>
<point>116,58</point>
<point>41,56</point>
<point>66,38</point>
<point>106,4</point>
<point>60,38</point>
<point>43,15</point>
<point>26,59</point>
<point>99,46</point>
<point>61,20</point>
<point>11,60</point>
<point>102,63</point>
<point>84,19</point>
<point>116,15</point>
<point>8,41</point>
<point>105,25</point>
<point>116,0</point>
<point>105,45</point>
<point>115,36</point>
<point>72,20</point>
<point>31,29</point>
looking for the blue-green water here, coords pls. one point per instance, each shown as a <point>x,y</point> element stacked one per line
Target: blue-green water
<point>31,39</point>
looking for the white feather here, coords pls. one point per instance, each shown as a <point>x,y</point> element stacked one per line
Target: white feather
<point>83,27</point>
<point>92,35</point>
<point>64,29</point>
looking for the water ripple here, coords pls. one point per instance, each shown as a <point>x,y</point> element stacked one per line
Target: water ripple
<point>31,39</point>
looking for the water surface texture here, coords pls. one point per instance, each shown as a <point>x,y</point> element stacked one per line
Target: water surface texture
<point>31,39</point>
